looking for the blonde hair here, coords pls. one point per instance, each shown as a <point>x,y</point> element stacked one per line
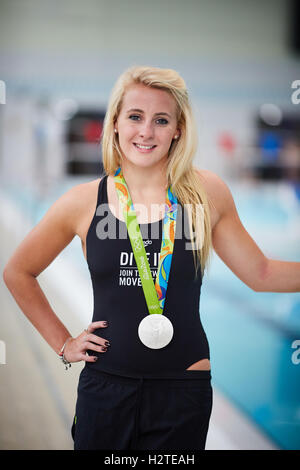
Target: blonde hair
<point>182,176</point>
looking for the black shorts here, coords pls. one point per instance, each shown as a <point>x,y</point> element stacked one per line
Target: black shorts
<point>149,412</point>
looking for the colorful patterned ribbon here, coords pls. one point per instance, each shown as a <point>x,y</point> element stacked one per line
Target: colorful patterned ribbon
<point>155,295</point>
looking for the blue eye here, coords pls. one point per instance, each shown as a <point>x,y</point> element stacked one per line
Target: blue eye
<point>162,119</point>
<point>136,117</point>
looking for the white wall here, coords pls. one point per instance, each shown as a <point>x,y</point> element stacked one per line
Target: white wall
<point>70,44</point>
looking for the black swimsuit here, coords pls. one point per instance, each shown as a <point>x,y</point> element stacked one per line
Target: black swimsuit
<point>134,397</point>
<point>119,297</point>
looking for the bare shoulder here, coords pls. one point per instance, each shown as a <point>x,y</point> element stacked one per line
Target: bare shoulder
<point>74,207</point>
<point>82,200</point>
<point>76,199</point>
<point>63,220</point>
<point>213,183</point>
<point>81,193</point>
<point>217,190</point>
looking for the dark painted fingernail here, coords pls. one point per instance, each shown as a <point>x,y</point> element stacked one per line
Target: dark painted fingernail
<point>107,343</point>
<point>104,349</point>
<point>105,323</point>
<point>95,359</point>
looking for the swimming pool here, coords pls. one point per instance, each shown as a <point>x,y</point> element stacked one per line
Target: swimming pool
<point>251,334</point>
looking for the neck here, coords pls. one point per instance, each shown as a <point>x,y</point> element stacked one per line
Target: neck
<point>142,181</point>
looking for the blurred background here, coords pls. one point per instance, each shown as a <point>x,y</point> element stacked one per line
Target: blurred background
<point>241,63</point>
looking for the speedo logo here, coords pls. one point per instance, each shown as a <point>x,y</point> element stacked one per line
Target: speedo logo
<point>147,242</point>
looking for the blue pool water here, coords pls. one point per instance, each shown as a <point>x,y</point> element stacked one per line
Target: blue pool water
<point>251,334</point>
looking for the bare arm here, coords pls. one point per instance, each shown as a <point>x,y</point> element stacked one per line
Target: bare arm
<point>38,249</point>
<point>239,251</point>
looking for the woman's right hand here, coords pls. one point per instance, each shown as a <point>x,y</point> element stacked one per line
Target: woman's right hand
<point>76,348</point>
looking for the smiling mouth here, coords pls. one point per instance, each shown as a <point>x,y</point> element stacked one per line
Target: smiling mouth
<point>144,147</point>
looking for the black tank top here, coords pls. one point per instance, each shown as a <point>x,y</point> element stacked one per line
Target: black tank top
<point>119,297</point>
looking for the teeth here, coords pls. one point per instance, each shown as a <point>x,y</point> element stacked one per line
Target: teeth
<point>144,146</point>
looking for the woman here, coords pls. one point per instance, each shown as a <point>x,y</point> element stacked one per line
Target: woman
<point>146,380</point>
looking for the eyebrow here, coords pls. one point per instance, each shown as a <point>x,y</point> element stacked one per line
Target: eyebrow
<point>135,110</point>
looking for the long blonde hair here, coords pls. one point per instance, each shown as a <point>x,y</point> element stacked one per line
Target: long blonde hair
<point>181,174</point>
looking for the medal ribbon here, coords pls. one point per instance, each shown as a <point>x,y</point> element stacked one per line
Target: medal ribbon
<point>154,294</point>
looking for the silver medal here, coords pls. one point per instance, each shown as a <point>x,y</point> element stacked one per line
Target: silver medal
<point>155,331</point>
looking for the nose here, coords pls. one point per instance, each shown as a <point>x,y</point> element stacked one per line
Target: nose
<point>146,130</point>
